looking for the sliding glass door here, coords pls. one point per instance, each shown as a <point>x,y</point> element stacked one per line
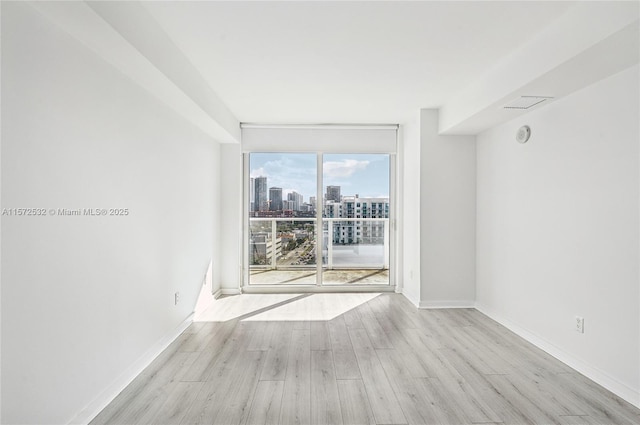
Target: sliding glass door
<point>282,218</point>
<point>355,219</point>
<point>298,236</point>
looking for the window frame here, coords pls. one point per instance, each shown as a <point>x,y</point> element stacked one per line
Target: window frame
<point>390,255</point>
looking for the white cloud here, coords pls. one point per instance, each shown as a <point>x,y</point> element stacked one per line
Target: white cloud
<point>344,168</point>
<point>258,172</point>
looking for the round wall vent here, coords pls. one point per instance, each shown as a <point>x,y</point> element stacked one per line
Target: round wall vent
<point>523,134</point>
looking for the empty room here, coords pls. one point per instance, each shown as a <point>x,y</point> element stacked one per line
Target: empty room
<point>320,212</point>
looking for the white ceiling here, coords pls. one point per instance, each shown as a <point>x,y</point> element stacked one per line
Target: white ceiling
<point>346,62</point>
<point>221,63</point>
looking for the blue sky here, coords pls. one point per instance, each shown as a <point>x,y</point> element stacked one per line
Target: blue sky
<point>364,174</point>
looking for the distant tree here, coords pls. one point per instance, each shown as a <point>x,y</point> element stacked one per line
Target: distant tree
<point>291,245</point>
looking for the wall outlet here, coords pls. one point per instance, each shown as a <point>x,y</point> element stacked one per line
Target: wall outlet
<point>580,324</point>
<point>176,298</point>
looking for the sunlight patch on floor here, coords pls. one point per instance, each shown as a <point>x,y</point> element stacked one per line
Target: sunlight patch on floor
<point>227,308</point>
<point>314,307</point>
<point>282,307</point>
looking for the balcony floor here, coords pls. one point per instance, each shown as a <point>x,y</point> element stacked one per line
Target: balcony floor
<point>329,277</point>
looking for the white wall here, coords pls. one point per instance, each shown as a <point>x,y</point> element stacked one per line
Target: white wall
<point>84,298</point>
<point>447,216</point>
<point>409,216</point>
<point>558,226</point>
<point>231,218</point>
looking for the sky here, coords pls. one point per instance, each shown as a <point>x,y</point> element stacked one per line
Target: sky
<point>364,174</point>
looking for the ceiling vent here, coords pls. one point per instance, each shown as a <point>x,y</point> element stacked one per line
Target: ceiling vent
<point>526,102</point>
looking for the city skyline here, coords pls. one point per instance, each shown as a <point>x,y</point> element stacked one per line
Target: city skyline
<point>366,175</point>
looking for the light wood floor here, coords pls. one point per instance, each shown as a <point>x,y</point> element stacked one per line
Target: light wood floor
<point>382,362</point>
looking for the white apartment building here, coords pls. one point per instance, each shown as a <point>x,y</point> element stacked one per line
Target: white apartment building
<point>358,231</point>
<point>261,248</point>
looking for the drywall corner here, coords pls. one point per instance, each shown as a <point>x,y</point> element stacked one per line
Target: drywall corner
<point>409,212</point>
<point>447,214</point>
<point>231,202</point>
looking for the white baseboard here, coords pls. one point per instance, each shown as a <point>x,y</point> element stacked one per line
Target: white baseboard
<point>111,392</point>
<point>230,291</point>
<point>598,376</point>
<point>413,301</point>
<point>217,294</point>
<point>447,304</point>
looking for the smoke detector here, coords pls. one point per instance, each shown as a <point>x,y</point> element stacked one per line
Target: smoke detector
<point>526,102</point>
<point>523,134</point>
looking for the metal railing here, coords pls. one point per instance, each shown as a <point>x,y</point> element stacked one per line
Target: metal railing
<point>347,243</point>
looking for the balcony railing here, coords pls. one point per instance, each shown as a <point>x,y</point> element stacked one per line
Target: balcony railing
<point>290,243</point>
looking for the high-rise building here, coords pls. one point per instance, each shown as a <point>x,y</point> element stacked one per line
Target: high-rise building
<point>312,201</point>
<point>275,199</point>
<point>333,193</point>
<point>252,194</point>
<point>295,200</point>
<point>260,191</point>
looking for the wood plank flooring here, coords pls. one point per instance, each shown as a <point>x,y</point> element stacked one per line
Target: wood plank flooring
<point>382,362</point>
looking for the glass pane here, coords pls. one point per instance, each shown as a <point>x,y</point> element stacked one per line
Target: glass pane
<point>282,225</point>
<point>355,219</point>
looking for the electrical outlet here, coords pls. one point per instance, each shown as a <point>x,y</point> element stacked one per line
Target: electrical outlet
<point>176,298</point>
<point>580,324</point>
